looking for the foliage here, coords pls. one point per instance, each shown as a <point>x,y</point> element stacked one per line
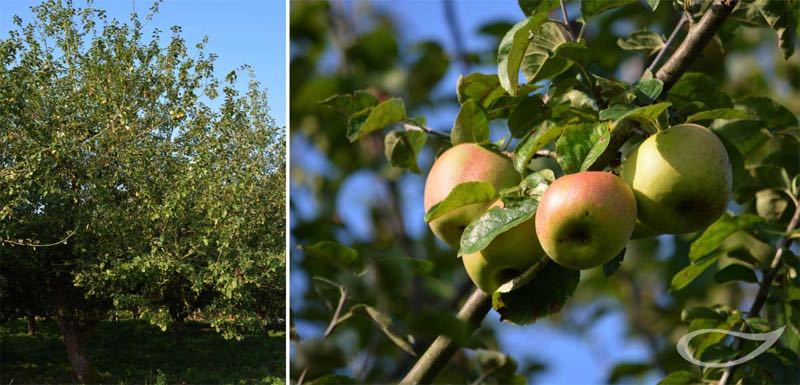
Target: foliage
<point>586,102</point>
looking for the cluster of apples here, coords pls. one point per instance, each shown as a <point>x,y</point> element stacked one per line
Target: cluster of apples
<point>676,181</point>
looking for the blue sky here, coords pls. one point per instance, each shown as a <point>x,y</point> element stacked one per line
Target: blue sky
<point>240,31</point>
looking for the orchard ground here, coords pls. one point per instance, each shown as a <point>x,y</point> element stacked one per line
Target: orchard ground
<point>128,351</point>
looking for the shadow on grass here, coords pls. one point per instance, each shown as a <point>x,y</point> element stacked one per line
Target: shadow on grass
<point>133,352</point>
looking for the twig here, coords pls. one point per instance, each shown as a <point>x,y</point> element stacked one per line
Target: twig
<point>667,44</point>
<point>335,320</point>
<point>442,349</point>
<point>455,31</point>
<point>539,154</point>
<point>580,32</point>
<point>566,20</point>
<point>766,283</point>
<point>413,126</point>
<point>32,244</point>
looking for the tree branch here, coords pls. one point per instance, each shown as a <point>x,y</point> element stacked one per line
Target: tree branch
<point>478,305</point>
<point>695,41</point>
<point>442,349</point>
<point>766,283</point>
<point>566,20</point>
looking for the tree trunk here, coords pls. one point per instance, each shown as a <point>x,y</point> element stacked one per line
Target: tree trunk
<point>75,342</point>
<point>31,324</point>
<point>75,333</point>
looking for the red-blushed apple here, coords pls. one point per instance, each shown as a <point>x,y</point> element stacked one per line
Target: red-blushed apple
<point>681,178</point>
<point>506,256</point>
<point>585,219</point>
<point>466,162</point>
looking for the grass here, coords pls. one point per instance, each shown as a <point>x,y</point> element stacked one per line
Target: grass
<point>133,352</point>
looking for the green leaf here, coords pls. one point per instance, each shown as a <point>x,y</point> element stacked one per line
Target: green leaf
<point>696,91</point>
<point>494,222</point>
<point>627,369</point>
<point>333,253</point>
<point>402,148</point>
<point>719,113</point>
<point>530,7</point>
<point>497,367</point>
<point>682,377</point>
<point>613,265</point>
<point>541,61</point>
<point>648,116</point>
<point>735,272</point>
<point>736,158</point>
<point>616,111</point>
<point>612,90</point>
<point>389,326</point>
<point>482,88</point>
<point>691,272</point>
<point>775,116</point>
<point>512,49</point>
<point>701,312</point>
<point>543,295</point>
<point>533,142</point>
<point>781,15</point>
<point>463,194</point>
<point>352,103</point>
<point>771,204</point>
<point>725,226</point>
<point>375,118</point>
<point>471,125</point>
<point>647,91</point>
<point>574,51</point>
<point>580,145</point>
<point>590,8</point>
<point>427,70</point>
<point>529,113</point>
<point>653,4</point>
<point>642,41</point>
<point>744,255</point>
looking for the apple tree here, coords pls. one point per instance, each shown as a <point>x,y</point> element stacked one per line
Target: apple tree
<point>134,182</point>
<point>678,152</point>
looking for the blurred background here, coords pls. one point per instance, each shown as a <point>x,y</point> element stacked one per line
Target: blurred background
<point>617,330</point>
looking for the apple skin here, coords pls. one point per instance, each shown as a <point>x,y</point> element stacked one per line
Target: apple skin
<point>466,162</point>
<point>641,231</point>
<point>681,178</point>
<point>585,219</point>
<point>507,256</point>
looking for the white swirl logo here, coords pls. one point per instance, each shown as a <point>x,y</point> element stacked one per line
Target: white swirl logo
<point>768,338</point>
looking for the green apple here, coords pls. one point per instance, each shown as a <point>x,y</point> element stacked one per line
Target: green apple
<point>681,178</point>
<point>506,257</point>
<point>466,162</point>
<point>641,230</point>
<point>585,219</point>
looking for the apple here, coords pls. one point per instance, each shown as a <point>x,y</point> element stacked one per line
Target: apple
<point>681,178</point>
<point>506,256</point>
<point>466,162</point>
<point>585,219</point>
